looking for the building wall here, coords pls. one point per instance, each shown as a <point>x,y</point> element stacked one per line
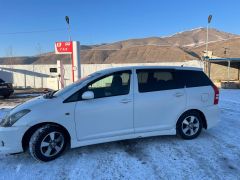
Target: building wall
<point>37,76</point>
<point>219,72</point>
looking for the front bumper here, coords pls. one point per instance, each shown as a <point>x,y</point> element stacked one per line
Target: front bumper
<point>11,139</point>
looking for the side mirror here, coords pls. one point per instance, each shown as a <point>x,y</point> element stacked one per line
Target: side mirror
<point>88,95</point>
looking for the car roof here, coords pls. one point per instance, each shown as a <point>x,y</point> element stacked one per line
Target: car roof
<point>123,68</point>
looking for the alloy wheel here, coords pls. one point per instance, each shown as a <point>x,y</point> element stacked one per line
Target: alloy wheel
<point>190,125</point>
<point>52,144</point>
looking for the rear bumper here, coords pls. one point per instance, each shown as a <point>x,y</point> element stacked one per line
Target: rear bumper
<point>212,115</point>
<point>11,139</point>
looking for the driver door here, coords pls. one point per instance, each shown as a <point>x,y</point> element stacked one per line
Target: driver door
<point>110,112</point>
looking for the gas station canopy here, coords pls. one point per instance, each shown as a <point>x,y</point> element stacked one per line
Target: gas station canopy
<point>216,60</point>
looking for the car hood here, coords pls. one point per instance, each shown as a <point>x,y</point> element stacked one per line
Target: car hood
<point>31,104</point>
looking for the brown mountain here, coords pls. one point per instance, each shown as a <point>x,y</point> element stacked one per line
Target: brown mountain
<point>218,48</point>
<point>197,37</point>
<point>148,53</point>
<point>183,46</point>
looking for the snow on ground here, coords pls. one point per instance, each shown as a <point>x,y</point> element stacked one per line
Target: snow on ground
<point>215,154</point>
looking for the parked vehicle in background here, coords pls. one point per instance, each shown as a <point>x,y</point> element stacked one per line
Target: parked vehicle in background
<point>6,89</point>
<point>110,105</point>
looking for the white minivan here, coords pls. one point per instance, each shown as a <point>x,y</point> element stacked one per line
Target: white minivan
<point>110,105</point>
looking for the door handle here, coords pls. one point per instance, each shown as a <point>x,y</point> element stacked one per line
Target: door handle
<point>178,94</point>
<point>125,101</point>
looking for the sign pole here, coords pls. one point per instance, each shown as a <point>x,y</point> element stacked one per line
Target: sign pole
<point>72,68</point>
<point>76,60</point>
<point>70,39</point>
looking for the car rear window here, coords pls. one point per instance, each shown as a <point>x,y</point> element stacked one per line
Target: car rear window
<point>192,78</point>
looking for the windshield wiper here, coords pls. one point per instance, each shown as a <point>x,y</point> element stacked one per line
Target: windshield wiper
<point>50,95</point>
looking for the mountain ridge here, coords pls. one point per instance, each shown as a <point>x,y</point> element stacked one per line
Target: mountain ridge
<point>181,46</point>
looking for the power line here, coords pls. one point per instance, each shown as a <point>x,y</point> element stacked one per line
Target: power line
<point>31,32</point>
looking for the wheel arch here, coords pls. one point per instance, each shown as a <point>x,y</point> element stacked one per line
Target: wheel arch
<point>28,134</point>
<point>204,120</point>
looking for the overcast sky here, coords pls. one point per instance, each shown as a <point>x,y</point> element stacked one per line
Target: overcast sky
<point>104,21</point>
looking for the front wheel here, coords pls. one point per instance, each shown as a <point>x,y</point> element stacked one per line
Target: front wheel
<point>47,143</point>
<point>189,125</point>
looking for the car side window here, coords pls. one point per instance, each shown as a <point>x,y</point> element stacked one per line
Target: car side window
<point>114,84</point>
<point>156,80</point>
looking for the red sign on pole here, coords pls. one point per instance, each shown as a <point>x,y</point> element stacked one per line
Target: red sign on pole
<point>69,47</point>
<point>64,47</point>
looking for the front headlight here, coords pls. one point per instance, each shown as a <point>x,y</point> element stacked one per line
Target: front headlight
<point>9,120</point>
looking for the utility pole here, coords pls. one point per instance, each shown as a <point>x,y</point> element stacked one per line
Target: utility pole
<point>209,21</point>
<point>207,57</point>
<point>68,24</point>
<point>70,39</point>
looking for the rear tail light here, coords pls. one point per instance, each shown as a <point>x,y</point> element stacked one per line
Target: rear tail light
<point>216,94</point>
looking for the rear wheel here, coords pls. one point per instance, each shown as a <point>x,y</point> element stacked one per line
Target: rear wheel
<point>47,143</point>
<point>189,125</point>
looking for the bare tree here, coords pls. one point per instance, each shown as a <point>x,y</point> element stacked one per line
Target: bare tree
<point>9,54</point>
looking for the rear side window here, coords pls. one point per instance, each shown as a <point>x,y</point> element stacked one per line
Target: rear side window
<point>156,80</point>
<point>193,78</point>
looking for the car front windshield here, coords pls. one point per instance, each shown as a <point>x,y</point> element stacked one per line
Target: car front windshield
<point>73,85</point>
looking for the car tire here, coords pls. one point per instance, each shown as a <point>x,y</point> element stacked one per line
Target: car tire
<point>189,125</point>
<point>47,143</point>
